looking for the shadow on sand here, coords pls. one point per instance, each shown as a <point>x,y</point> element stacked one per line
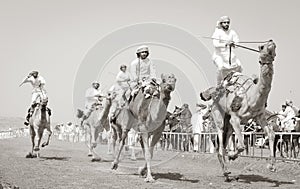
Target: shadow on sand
<point>56,158</point>
<point>258,178</point>
<point>173,176</point>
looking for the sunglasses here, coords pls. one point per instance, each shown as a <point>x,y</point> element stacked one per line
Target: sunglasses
<point>226,22</point>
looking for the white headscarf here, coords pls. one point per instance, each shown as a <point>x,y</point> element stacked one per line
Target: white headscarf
<point>222,19</point>
<point>142,48</point>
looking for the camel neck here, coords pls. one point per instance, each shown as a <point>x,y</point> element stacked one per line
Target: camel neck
<point>165,97</point>
<point>106,109</point>
<point>265,81</point>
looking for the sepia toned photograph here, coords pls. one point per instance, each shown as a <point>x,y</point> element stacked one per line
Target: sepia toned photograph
<point>141,94</point>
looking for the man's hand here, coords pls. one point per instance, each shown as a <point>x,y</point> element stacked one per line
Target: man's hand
<point>230,44</point>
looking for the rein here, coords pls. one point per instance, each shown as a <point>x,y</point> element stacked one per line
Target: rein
<point>248,48</point>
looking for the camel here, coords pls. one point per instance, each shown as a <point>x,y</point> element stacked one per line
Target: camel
<point>171,125</point>
<point>238,101</point>
<point>147,117</point>
<point>38,122</point>
<point>96,123</point>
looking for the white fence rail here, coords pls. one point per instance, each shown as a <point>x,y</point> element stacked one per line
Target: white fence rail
<point>287,146</point>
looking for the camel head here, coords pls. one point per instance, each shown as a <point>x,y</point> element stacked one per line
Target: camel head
<point>208,94</point>
<point>267,52</point>
<point>168,82</point>
<point>111,95</point>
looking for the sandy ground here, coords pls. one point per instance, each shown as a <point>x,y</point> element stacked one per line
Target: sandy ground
<point>66,165</point>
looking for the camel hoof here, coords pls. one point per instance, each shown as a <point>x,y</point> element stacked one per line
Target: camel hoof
<point>240,150</point>
<point>29,155</point>
<point>96,159</point>
<point>232,155</point>
<point>232,158</point>
<point>227,179</point>
<point>271,167</point>
<point>142,171</point>
<point>226,174</point>
<point>36,148</point>
<point>44,144</point>
<point>149,179</point>
<point>114,166</point>
<point>236,178</point>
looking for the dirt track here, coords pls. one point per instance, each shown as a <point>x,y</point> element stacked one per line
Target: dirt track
<point>66,165</point>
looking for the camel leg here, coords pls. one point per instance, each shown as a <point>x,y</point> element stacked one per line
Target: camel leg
<point>116,161</point>
<point>39,139</point>
<point>89,144</point>
<point>289,148</point>
<point>142,170</point>
<point>221,155</point>
<point>39,135</point>
<point>295,147</point>
<point>229,142</point>
<point>94,136</point>
<point>145,137</point>
<point>49,135</point>
<point>109,141</point>
<point>271,135</point>
<point>114,139</point>
<point>155,138</point>
<point>134,138</point>
<point>235,122</point>
<point>32,136</point>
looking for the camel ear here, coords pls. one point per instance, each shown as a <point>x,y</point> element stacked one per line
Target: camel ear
<point>79,113</point>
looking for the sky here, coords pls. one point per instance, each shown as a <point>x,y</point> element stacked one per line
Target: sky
<point>73,42</point>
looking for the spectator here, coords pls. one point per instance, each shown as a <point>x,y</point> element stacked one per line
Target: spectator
<point>287,114</point>
<point>197,124</point>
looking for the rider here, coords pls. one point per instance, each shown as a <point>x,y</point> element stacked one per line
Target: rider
<point>39,93</point>
<point>224,39</point>
<point>122,89</point>
<point>92,100</point>
<point>123,79</point>
<point>143,71</point>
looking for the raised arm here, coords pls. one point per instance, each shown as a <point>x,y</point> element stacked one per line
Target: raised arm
<point>26,80</point>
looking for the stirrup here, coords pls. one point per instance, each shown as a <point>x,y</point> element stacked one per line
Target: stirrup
<point>26,123</point>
